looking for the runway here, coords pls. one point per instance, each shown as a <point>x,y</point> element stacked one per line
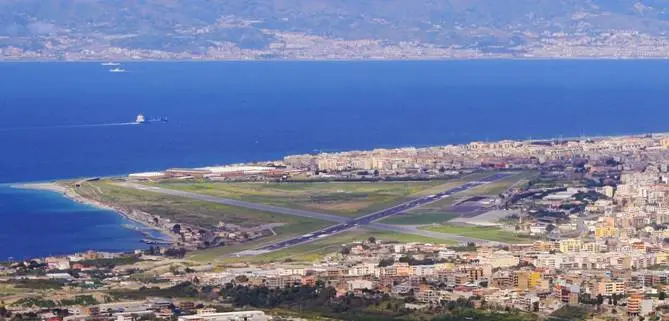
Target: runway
<point>342,223</point>
<point>238,203</point>
<point>368,220</point>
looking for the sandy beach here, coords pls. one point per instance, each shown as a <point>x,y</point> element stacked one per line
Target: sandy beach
<point>141,218</point>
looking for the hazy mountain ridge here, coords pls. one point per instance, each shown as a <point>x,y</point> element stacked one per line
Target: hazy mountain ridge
<point>67,26</point>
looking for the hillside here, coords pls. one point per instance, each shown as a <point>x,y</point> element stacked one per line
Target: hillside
<point>331,29</point>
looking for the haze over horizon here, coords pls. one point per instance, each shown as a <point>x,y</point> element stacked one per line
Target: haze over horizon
<point>340,29</point>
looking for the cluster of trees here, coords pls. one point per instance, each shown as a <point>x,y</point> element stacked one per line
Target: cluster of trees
<point>178,253</point>
<point>111,263</point>
<point>481,315</point>
<point>589,196</point>
<point>31,302</point>
<point>84,300</point>
<point>39,302</point>
<point>263,297</point>
<point>39,284</point>
<point>28,316</point>
<point>30,268</point>
<point>611,300</point>
<point>587,299</point>
<point>411,260</point>
<point>182,290</point>
<point>570,313</point>
<point>321,299</point>
<point>470,247</point>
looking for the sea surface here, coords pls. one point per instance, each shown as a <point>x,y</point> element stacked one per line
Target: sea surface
<point>65,120</point>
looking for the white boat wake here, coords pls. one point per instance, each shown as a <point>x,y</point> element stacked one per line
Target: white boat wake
<point>67,126</point>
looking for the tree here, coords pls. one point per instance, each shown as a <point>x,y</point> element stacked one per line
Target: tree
<point>600,299</point>
<point>386,262</point>
<point>615,299</point>
<point>371,240</point>
<point>550,228</point>
<point>662,295</point>
<point>176,228</point>
<point>151,250</point>
<point>535,306</point>
<point>174,269</point>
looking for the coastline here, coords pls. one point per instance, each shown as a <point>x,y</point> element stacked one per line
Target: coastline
<point>145,220</point>
<point>128,60</point>
<point>140,218</point>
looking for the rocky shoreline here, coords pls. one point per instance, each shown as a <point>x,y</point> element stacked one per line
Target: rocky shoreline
<point>141,218</point>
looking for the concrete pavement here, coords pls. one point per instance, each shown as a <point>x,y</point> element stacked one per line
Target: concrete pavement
<point>238,203</point>
<point>343,223</point>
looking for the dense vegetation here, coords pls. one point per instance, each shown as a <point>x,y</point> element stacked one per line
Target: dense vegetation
<point>321,299</point>
<point>182,290</point>
<point>38,302</point>
<point>38,284</point>
<point>111,263</point>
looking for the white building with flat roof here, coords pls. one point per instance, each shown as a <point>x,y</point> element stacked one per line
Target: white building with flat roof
<point>227,316</point>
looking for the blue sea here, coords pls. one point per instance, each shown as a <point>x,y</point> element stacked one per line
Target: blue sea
<point>60,120</point>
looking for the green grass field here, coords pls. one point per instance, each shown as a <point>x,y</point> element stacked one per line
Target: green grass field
<point>492,190</point>
<point>191,211</point>
<point>307,252</point>
<point>420,218</point>
<point>341,198</point>
<point>440,211</point>
<point>481,232</point>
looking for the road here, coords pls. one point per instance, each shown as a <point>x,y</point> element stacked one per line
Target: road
<point>343,223</point>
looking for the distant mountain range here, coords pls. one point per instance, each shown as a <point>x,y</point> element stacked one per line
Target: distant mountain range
<point>331,29</point>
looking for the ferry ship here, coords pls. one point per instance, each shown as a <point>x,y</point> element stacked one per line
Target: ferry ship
<point>140,120</point>
<point>117,70</point>
<point>110,63</point>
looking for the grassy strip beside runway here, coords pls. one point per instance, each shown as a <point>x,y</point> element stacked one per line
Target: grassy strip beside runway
<point>481,232</point>
<point>350,199</point>
<point>419,217</point>
<point>308,252</point>
<point>441,211</point>
<point>190,211</point>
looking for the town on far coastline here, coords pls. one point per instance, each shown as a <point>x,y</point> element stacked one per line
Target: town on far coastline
<point>556,229</point>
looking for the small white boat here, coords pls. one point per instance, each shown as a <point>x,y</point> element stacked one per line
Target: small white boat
<point>140,119</point>
<point>110,63</point>
<point>117,70</point>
